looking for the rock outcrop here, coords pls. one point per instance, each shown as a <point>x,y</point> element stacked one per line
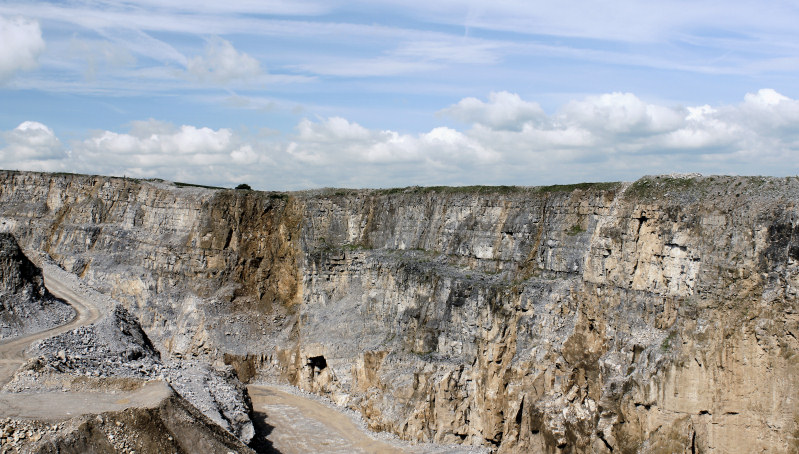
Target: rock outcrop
<point>25,304</point>
<point>656,316</point>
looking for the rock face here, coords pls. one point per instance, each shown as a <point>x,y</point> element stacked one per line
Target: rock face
<point>25,305</point>
<point>657,316</point>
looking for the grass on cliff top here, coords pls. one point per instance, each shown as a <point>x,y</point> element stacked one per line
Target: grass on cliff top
<point>602,186</point>
<point>657,185</point>
<point>192,185</point>
<point>477,189</point>
<point>482,189</point>
<point>239,189</point>
<point>653,187</point>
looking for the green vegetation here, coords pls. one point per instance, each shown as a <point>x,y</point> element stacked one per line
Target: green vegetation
<point>65,174</point>
<point>604,186</point>
<point>356,247</point>
<point>481,189</point>
<point>657,186</point>
<point>575,230</point>
<point>477,189</point>
<point>191,185</point>
<point>665,346</point>
<point>244,187</point>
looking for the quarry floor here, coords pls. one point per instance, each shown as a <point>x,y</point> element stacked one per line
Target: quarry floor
<point>292,424</point>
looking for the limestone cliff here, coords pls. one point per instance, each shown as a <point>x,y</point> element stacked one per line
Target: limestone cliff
<point>657,316</point>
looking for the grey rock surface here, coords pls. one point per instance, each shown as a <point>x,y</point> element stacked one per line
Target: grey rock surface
<point>653,316</point>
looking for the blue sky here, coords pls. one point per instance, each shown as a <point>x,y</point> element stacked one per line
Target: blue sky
<point>303,94</point>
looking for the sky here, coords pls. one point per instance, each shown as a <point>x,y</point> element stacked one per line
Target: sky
<point>289,95</point>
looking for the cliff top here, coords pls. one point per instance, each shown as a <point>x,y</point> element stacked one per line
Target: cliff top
<point>649,186</point>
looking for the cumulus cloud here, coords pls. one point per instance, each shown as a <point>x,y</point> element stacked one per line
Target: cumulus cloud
<point>157,149</point>
<point>609,136</point>
<point>508,140</point>
<point>22,43</point>
<point>222,63</point>
<point>621,113</point>
<point>32,146</point>
<point>336,140</point>
<point>502,111</point>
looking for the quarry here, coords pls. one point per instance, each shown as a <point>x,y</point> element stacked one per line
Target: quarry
<point>147,316</point>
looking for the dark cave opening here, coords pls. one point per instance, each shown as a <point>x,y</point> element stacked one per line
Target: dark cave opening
<point>317,362</point>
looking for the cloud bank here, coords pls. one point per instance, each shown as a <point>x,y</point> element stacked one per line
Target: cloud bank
<point>503,139</point>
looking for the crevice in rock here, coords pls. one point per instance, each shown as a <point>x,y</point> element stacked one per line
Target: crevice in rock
<point>519,413</point>
<point>641,220</point>
<point>602,437</point>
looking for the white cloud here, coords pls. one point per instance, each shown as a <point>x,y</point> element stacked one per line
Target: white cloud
<point>222,63</point>
<point>510,140</point>
<point>502,111</point>
<point>335,141</point>
<point>156,149</point>
<point>22,43</point>
<point>621,113</point>
<point>772,110</point>
<point>32,146</point>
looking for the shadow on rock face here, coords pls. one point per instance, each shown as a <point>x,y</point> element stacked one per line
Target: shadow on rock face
<point>260,443</point>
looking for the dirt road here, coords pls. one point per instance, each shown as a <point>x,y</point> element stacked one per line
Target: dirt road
<point>56,405</point>
<point>12,351</point>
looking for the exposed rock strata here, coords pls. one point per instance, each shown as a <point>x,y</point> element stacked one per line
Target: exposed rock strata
<point>25,305</point>
<point>659,316</point>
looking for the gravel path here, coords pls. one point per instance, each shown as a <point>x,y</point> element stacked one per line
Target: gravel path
<point>65,286</point>
<point>46,406</point>
<point>89,306</point>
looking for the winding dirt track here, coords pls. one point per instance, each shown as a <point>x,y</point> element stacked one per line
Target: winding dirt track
<point>12,352</point>
<point>59,405</point>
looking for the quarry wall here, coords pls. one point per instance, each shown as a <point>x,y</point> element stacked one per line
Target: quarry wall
<point>653,316</point>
